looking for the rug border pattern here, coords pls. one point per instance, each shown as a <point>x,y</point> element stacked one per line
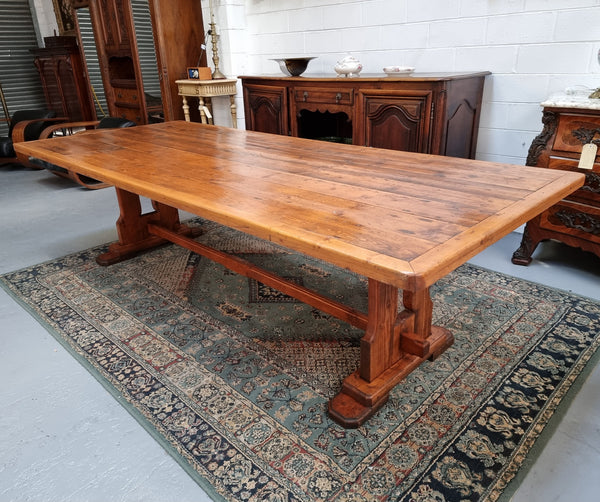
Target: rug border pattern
<point>503,487</point>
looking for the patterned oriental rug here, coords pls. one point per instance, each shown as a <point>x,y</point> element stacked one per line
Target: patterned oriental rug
<point>233,378</point>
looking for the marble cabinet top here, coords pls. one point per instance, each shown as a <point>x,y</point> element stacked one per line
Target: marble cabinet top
<point>576,99</point>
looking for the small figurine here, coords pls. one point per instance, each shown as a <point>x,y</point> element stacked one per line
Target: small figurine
<point>348,67</point>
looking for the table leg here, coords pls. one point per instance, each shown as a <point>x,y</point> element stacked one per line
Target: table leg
<point>209,110</point>
<point>186,109</point>
<point>202,109</point>
<point>394,345</point>
<point>532,236</point>
<point>233,111</point>
<point>132,228</point>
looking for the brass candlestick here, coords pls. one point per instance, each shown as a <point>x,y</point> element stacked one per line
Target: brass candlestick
<point>215,49</point>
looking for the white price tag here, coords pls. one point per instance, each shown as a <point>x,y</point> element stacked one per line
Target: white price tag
<point>588,156</point>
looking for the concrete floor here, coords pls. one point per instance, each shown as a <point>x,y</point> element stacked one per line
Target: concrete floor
<point>64,438</point>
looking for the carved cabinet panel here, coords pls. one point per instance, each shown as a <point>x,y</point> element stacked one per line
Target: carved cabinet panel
<point>400,122</point>
<point>266,108</point>
<point>113,26</point>
<point>66,87</point>
<point>576,219</point>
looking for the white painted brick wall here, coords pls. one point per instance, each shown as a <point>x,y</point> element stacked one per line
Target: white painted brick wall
<point>521,28</point>
<point>425,11</point>
<point>343,16</point>
<point>532,47</point>
<point>554,58</point>
<point>578,25</point>
<point>465,32</point>
<point>381,13</point>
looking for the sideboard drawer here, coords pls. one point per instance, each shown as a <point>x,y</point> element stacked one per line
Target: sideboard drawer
<point>574,131</point>
<point>328,96</point>
<point>578,220</point>
<point>588,193</point>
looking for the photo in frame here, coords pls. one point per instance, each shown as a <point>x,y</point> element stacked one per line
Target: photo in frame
<point>199,73</point>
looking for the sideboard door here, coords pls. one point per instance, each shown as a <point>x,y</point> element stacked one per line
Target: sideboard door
<point>399,121</point>
<point>265,108</point>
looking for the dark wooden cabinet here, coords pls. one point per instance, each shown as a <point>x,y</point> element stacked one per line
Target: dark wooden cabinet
<point>114,34</point>
<point>434,113</point>
<point>64,80</point>
<point>117,49</point>
<point>178,34</point>
<point>576,219</point>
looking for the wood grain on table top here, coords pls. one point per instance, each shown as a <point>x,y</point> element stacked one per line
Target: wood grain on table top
<point>401,218</point>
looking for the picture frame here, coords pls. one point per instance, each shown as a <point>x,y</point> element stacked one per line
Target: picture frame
<point>199,73</point>
<point>63,11</point>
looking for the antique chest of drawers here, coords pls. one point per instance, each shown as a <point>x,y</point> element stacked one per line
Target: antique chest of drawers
<point>571,124</point>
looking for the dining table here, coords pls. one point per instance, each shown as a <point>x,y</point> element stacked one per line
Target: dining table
<point>402,220</point>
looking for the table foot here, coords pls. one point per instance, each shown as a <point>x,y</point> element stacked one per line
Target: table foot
<point>132,228</point>
<point>120,252</point>
<point>349,413</point>
<point>359,399</point>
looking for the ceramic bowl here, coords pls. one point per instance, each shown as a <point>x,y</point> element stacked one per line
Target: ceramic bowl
<point>293,67</point>
<point>398,70</point>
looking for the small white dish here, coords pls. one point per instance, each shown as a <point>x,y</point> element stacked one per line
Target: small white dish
<point>398,70</point>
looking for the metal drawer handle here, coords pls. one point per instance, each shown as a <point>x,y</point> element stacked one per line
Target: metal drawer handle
<point>305,94</point>
<point>338,97</point>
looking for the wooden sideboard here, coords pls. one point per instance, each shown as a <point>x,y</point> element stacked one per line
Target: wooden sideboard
<point>435,113</point>
<point>64,79</point>
<point>568,124</point>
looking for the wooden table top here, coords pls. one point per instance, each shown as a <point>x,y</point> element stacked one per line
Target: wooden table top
<point>400,218</point>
